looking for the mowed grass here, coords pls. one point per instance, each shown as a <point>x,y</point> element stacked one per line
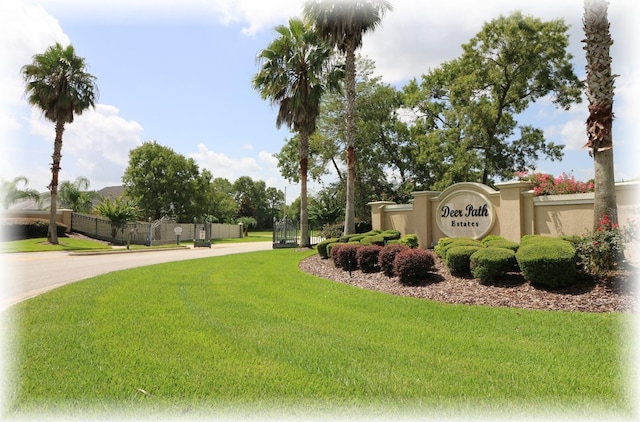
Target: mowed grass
<point>251,331</point>
<point>42,245</point>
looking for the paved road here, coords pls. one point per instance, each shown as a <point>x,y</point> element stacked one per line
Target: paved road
<point>25,275</point>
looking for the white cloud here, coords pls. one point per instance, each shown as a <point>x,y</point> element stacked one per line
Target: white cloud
<point>25,30</point>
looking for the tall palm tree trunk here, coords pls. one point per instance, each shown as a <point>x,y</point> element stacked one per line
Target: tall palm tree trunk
<point>350,82</point>
<point>304,167</point>
<point>600,90</point>
<point>53,187</point>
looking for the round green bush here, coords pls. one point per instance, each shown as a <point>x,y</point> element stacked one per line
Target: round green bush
<point>458,258</point>
<point>411,240</point>
<point>502,243</point>
<point>442,243</point>
<point>387,256</point>
<point>373,240</point>
<point>322,247</point>
<point>461,241</point>
<point>548,263</point>
<point>391,234</point>
<point>412,265</point>
<point>367,257</point>
<point>528,239</point>
<point>491,238</point>
<point>488,263</point>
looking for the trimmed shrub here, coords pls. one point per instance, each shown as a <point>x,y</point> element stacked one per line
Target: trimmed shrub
<point>440,246</point>
<point>502,243</point>
<point>491,238</point>
<point>548,263</point>
<point>411,240</point>
<point>367,257</point>
<point>373,240</point>
<point>322,247</point>
<point>391,234</point>
<point>488,263</point>
<point>528,239</point>
<point>27,228</point>
<point>461,241</point>
<point>347,256</point>
<point>458,258</point>
<point>411,265</point>
<point>387,256</point>
<point>351,238</point>
<point>332,251</point>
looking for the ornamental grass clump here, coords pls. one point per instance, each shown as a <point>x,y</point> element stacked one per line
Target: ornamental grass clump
<point>367,257</point>
<point>387,256</point>
<point>488,263</point>
<point>412,265</point>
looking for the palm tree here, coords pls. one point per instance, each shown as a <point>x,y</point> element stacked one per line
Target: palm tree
<point>58,84</point>
<point>74,195</point>
<point>297,69</point>
<point>344,23</point>
<point>600,87</point>
<point>10,193</point>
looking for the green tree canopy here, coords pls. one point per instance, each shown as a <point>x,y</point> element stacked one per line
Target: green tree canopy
<point>467,107</point>
<point>166,183</point>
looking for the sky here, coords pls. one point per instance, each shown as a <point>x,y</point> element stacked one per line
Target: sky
<point>179,72</point>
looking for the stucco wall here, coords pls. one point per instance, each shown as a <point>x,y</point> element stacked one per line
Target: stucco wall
<point>516,211</point>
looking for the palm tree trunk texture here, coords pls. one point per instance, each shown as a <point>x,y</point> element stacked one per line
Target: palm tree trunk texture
<point>350,81</point>
<point>53,187</point>
<point>304,216</point>
<point>600,91</point>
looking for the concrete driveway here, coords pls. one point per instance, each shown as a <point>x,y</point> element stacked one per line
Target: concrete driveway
<point>25,275</point>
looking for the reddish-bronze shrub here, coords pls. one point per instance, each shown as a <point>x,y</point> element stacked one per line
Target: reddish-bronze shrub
<point>347,259</point>
<point>367,257</point>
<point>387,256</point>
<point>412,265</point>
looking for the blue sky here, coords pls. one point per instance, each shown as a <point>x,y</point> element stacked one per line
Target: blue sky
<point>179,72</point>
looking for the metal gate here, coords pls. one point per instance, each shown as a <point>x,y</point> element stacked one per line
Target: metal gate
<point>285,234</point>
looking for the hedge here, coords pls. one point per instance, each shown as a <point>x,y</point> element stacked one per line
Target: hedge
<point>548,263</point>
<point>323,247</point>
<point>387,256</point>
<point>367,257</point>
<point>458,258</point>
<point>488,263</point>
<point>412,265</point>
<point>27,228</point>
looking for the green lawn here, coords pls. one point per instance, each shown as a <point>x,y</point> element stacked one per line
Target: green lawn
<point>41,245</point>
<point>251,333</point>
<point>73,244</point>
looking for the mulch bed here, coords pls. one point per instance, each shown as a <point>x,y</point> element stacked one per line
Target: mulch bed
<point>615,294</point>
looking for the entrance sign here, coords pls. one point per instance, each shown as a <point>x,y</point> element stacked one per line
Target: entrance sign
<point>465,213</point>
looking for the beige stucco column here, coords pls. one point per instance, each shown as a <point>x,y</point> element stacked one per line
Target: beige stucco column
<point>511,215</point>
<point>377,214</point>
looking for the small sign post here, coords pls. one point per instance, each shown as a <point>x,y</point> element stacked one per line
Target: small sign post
<point>178,232</point>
